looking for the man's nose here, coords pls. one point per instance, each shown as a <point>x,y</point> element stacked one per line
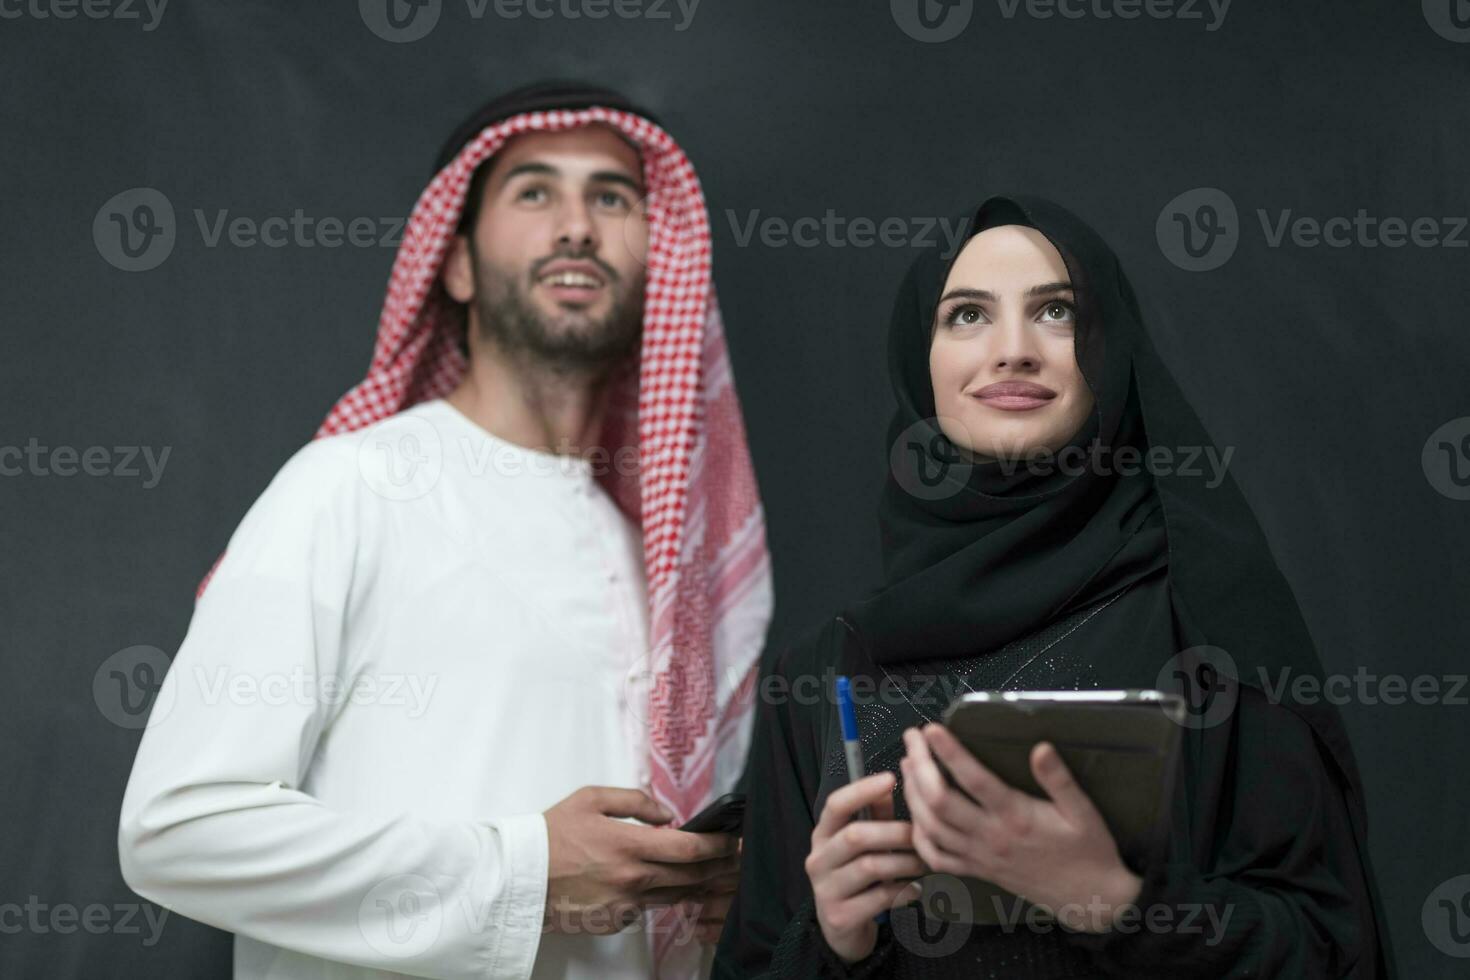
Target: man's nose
<point>575,229</point>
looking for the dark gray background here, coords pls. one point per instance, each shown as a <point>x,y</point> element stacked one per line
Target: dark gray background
<point>1327,368</point>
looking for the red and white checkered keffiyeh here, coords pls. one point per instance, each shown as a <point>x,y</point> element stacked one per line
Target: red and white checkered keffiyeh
<point>695,495</point>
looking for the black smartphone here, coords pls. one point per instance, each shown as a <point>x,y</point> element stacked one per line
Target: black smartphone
<point>724,816</point>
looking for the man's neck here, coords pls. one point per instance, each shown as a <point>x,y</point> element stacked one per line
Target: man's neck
<point>530,404</point>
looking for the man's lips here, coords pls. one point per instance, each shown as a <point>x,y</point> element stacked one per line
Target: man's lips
<point>1014,396</point>
<point>572,281</point>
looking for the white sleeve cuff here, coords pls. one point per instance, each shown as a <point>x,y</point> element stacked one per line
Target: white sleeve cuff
<point>516,936</point>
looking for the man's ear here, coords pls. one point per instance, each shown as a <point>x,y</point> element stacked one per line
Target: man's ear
<point>458,272</point>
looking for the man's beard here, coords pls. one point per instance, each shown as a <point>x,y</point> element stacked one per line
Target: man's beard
<point>569,341</point>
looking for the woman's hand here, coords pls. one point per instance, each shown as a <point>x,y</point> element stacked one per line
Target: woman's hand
<point>852,865</point>
<point>1056,853</point>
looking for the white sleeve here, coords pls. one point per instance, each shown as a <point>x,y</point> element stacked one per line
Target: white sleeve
<point>213,823</point>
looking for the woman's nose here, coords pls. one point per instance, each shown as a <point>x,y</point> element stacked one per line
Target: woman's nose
<point>1015,346</point>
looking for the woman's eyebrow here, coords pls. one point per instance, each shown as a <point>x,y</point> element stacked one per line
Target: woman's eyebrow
<point>965,293</point>
<point>1045,289</point>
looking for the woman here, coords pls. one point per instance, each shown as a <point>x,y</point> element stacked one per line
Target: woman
<point>1055,518</point>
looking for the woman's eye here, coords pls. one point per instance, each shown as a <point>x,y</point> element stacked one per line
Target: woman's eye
<point>965,316</point>
<point>1058,312</point>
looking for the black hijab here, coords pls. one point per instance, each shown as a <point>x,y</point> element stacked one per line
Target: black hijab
<point>978,554</point>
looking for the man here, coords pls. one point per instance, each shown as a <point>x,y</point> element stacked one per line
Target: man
<point>481,644</point>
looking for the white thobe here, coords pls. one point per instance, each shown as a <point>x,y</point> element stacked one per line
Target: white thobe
<point>421,637</point>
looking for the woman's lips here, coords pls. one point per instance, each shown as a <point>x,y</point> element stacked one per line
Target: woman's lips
<point>1014,396</point>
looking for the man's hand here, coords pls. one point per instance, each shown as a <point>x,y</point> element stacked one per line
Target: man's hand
<point>711,906</point>
<point>603,872</point>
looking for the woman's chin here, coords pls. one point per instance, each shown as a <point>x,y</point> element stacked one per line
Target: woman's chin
<point>1012,446</point>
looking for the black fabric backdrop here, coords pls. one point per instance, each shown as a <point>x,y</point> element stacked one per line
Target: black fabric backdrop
<point>1334,366</point>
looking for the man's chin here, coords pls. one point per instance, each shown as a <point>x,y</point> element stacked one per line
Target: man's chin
<point>582,338</point>
<point>581,328</point>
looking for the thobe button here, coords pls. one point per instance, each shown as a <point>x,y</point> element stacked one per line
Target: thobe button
<point>634,695</point>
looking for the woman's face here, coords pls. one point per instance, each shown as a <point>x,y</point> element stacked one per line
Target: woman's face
<point>1002,362</point>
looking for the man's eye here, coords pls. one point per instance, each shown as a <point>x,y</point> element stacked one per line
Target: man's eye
<point>613,200</point>
<point>532,195</point>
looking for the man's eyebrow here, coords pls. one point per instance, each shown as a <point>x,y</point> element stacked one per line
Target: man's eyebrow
<point>547,170</point>
<point>528,168</point>
<point>614,177</point>
<point>1044,289</point>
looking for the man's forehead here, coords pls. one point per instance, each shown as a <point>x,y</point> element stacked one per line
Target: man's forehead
<point>595,140</point>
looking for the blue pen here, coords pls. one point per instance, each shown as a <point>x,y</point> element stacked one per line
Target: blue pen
<point>853,747</point>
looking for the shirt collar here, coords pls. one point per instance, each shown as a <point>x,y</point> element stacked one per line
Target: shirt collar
<point>514,459</point>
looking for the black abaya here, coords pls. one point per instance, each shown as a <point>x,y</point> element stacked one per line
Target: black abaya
<point>1064,580</point>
